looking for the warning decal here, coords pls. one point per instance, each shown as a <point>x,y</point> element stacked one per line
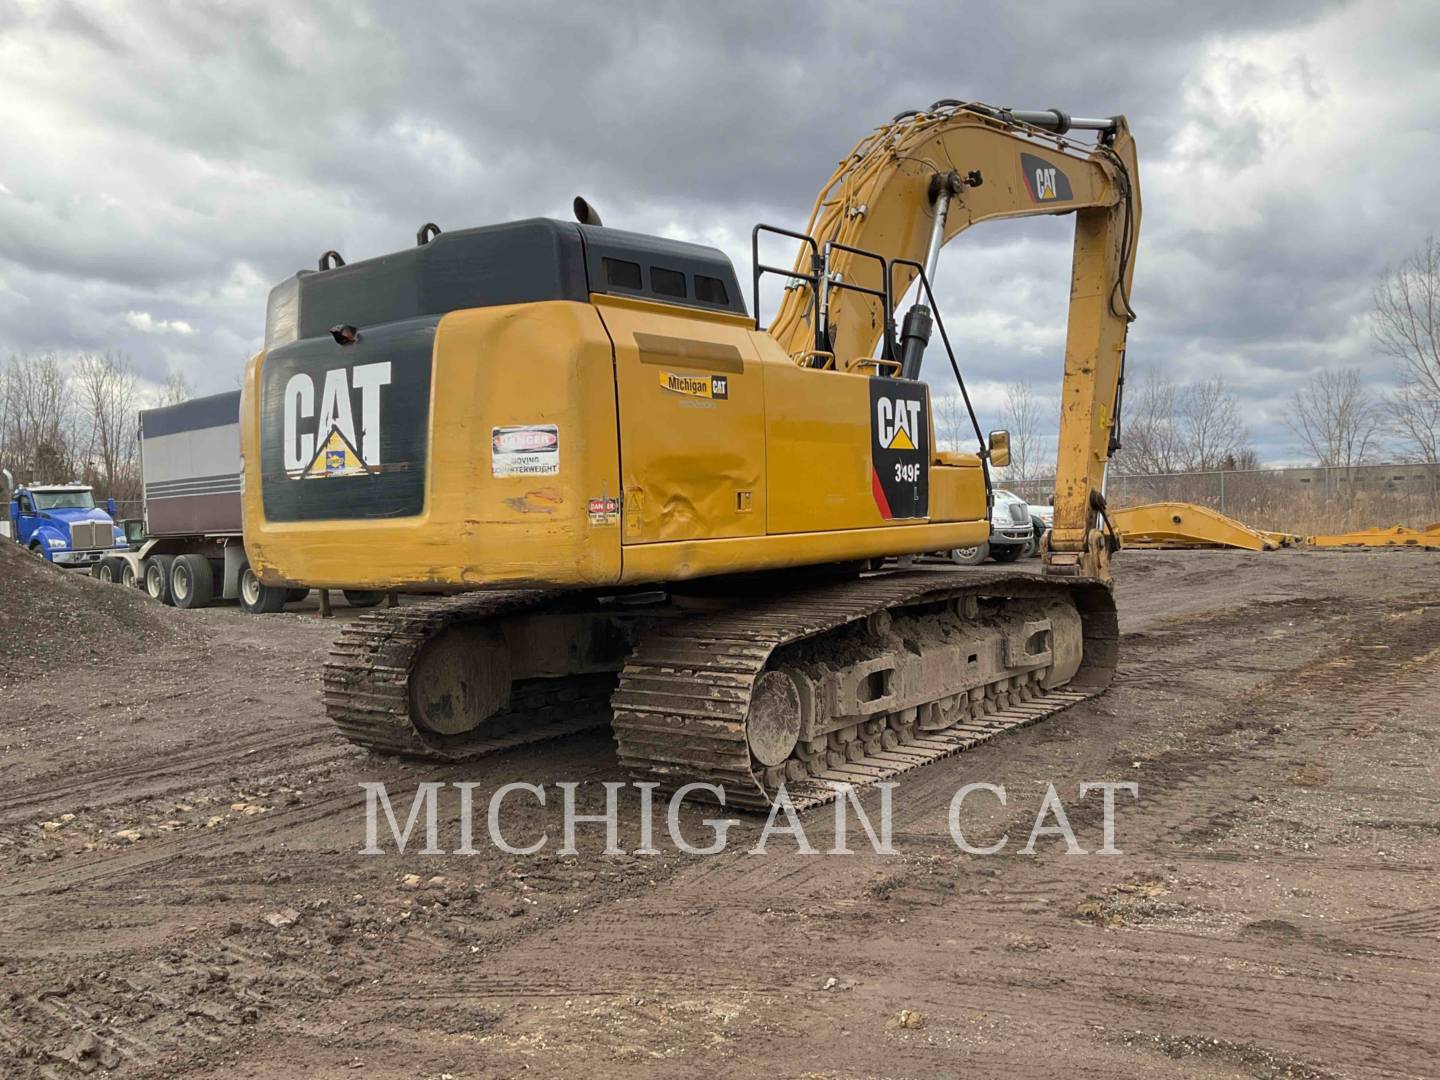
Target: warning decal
<point>525,450</point>
<point>604,511</point>
<point>336,457</point>
<point>900,448</point>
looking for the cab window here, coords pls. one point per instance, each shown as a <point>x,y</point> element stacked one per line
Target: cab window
<point>64,500</point>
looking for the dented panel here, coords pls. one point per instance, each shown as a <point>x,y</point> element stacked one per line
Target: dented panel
<point>692,422</point>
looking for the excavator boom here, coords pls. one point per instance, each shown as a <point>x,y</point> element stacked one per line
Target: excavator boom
<point>915,184</point>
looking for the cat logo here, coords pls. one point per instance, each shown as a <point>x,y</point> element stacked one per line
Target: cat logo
<point>1044,181</point>
<point>897,423</point>
<point>334,442</point>
<point>899,448</point>
<point>713,387</point>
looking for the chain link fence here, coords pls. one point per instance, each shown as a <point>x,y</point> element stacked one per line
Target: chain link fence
<point>1306,500</point>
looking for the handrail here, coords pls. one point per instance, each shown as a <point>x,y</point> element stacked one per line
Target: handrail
<point>882,294</point>
<point>821,282</point>
<point>758,268</point>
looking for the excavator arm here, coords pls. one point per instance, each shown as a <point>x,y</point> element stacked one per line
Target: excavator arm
<point>913,185</point>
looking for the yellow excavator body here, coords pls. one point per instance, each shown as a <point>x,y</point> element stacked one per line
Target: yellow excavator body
<point>648,475</point>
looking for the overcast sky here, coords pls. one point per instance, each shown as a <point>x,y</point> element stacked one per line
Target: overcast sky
<point>164,164</point>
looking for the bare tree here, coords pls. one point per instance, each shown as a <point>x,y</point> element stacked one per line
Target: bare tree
<point>1406,319</point>
<point>109,396</point>
<point>952,423</point>
<point>177,388</point>
<point>1212,434</point>
<point>1022,417</point>
<point>1414,419</point>
<point>1406,325</point>
<point>38,424</point>
<point>1149,433</point>
<point>1334,418</point>
<point>1244,458</point>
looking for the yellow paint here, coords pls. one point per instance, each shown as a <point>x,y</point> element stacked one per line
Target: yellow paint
<point>1395,536</point>
<point>818,468</point>
<point>955,492</point>
<point>702,558</point>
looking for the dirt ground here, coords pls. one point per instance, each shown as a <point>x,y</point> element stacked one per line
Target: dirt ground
<point>182,894</point>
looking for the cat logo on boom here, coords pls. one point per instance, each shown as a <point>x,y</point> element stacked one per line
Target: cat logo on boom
<point>1044,180</point>
<point>1045,183</point>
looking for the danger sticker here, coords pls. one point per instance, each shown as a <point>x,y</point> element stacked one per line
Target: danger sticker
<point>604,511</point>
<point>525,450</point>
<point>714,387</point>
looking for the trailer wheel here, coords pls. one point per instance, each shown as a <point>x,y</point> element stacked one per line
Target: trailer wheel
<point>294,596</point>
<point>157,578</point>
<point>971,556</point>
<point>258,598</point>
<point>108,570</point>
<point>192,581</point>
<point>363,597</point>
<point>128,577</point>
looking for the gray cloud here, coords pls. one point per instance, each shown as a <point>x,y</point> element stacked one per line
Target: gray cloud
<point>166,162</point>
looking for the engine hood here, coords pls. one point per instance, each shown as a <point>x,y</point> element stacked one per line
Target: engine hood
<point>69,516</point>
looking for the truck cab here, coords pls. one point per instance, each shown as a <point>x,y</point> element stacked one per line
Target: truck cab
<point>62,524</point>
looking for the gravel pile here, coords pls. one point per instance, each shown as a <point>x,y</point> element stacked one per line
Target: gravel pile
<point>50,616</point>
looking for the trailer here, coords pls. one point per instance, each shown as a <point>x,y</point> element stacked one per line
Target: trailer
<point>193,549</point>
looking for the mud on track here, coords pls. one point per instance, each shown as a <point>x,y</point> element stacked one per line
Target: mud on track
<point>1276,912</point>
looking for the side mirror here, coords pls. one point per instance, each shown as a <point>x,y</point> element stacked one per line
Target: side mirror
<point>110,508</point>
<point>999,449</point>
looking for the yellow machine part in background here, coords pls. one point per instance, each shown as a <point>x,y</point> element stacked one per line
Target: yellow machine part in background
<point>1184,525</point>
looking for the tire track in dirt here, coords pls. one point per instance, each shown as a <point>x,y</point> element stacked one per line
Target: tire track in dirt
<point>244,834</point>
<point>128,781</point>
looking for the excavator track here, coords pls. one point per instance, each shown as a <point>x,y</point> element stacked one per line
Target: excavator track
<point>681,708</point>
<point>685,707</point>
<point>366,686</point>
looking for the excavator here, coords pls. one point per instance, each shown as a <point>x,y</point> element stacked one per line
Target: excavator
<point>626,500</point>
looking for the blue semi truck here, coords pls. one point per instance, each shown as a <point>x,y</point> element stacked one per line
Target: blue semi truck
<point>61,523</point>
